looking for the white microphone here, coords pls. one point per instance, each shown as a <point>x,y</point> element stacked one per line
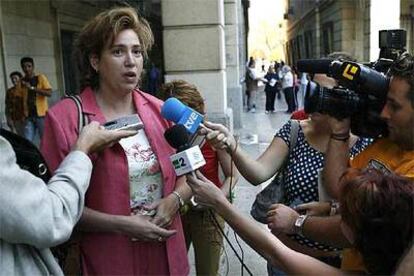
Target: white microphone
<point>187,159</point>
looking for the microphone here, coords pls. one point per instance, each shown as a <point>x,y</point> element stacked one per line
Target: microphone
<point>187,159</point>
<point>174,110</point>
<point>179,113</point>
<point>317,66</point>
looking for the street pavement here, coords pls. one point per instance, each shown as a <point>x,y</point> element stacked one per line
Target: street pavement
<point>257,133</point>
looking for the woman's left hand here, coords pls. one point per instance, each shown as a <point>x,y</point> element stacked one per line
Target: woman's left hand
<point>166,210</point>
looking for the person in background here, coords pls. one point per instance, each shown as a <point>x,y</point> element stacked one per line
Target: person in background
<point>15,102</point>
<point>271,89</point>
<point>288,88</point>
<point>278,84</point>
<point>200,224</point>
<point>303,82</point>
<point>246,95</point>
<point>38,90</point>
<point>252,79</point>
<point>154,79</point>
<point>296,85</point>
<point>131,223</point>
<point>34,215</point>
<point>377,218</point>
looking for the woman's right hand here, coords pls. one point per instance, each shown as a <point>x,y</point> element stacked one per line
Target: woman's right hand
<point>218,136</point>
<point>140,228</point>
<point>95,137</point>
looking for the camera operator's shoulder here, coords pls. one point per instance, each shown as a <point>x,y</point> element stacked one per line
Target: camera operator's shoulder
<point>387,153</point>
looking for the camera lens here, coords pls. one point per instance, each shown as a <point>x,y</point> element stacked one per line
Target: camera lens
<point>337,102</point>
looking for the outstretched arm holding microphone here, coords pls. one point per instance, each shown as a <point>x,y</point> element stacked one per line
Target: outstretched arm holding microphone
<point>255,171</point>
<point>265,243</point>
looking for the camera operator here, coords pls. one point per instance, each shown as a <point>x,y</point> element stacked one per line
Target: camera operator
<point>393,153</point>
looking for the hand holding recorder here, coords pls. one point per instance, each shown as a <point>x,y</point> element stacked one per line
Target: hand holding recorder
<point>131,122</point>
<point>94,137</point>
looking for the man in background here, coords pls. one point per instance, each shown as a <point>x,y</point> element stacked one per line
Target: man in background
<point>38,90</point>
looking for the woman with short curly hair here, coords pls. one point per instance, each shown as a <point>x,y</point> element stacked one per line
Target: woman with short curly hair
<point>130,224</point>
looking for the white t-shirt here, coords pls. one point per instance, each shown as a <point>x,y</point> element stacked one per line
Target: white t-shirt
<point>287,80</point>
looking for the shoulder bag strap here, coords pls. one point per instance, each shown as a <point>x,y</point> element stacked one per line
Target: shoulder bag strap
<point>294,131</point>
<point>82,118</point>
<point>293,138</point>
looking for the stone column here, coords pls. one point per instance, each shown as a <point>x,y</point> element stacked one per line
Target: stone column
<point>317,33</point>
<point>234,89</point>
<point>194,50</point>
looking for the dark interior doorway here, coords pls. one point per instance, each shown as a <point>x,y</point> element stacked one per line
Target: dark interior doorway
<point>69,69</point>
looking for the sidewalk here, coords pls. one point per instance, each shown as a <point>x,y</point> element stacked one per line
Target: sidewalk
<point>257,133</point>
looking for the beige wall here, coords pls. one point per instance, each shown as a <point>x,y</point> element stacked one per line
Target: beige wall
<point>32,28</point>
<point>28,28</point>
<point>194,47</point>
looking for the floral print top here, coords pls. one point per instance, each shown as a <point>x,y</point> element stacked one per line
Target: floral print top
<point>145,179</point>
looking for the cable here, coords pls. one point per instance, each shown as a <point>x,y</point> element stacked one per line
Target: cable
<point>231,172</point>
<point>241,249</point>
<point>230,244</point>
<point>226,260</point>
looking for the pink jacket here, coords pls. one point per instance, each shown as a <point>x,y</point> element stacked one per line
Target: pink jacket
<point>104,253</point>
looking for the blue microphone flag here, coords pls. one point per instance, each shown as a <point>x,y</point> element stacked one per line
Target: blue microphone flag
<point>174,110</point>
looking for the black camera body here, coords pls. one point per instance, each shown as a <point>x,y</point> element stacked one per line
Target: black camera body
<point>361,92</point>
<point>361,95</point>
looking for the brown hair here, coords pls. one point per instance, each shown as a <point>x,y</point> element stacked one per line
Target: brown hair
<point>100,32</point>
<point>341,56</point>
<point>379,210</point>
<point>187,93</point>
<point>403,68</point>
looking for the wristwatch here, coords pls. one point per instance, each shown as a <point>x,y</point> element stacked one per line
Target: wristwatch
<point>181,202</point>
<point>298,226</point>
<point>334,208</point>
<point>32,88</point>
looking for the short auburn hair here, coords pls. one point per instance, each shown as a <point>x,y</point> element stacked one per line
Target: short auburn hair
<point>186,92</point>
<point>378,208</point>
<point>100,32</point>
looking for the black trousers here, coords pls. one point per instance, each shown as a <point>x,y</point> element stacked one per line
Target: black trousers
<point>290,98</point>
<point>270,99</point>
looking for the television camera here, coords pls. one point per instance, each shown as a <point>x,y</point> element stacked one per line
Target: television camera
<point>362,89</point>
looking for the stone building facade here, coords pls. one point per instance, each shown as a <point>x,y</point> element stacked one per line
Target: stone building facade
<point>317,27</point>
<point>201,41</point>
